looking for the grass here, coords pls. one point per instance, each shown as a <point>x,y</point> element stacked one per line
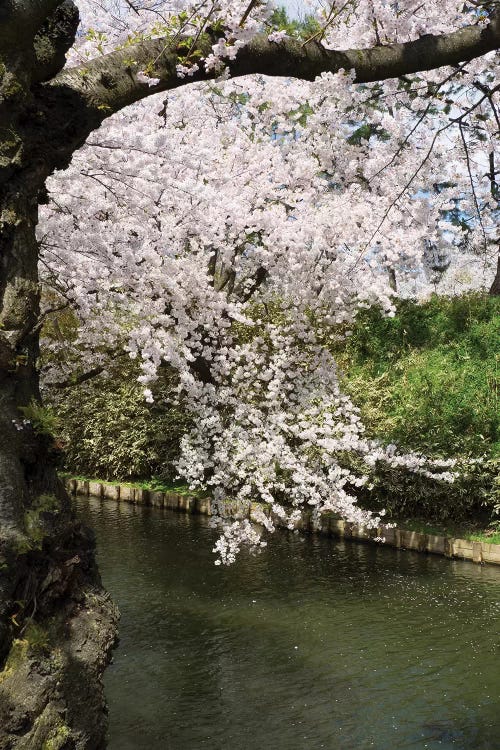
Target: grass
<point>428,380</point>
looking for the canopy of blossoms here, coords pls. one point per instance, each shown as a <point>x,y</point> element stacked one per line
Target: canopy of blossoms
<point>233,228</point>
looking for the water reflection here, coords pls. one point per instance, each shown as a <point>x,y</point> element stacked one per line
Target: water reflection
<point>312,644</point>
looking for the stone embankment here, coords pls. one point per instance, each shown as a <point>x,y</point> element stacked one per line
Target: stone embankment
<point>464,549</point>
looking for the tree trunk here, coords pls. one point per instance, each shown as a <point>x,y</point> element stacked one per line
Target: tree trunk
<point>57,626</point>
<point>392,279</point>
<point>22,452</point>
<point>495,287</point>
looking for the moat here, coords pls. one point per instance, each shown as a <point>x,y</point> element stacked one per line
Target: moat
<point>314,643</point>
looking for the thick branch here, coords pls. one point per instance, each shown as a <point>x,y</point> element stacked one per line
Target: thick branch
<point>79,379</point>
<point>109,83</point>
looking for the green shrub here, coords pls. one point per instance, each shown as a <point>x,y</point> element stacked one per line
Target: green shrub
<point>43,419</point>
<point>428,379</point>
<point>109,431</point>
<point>474,493</point>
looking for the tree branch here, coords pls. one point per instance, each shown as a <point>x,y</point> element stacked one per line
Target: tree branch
<point>109,83</point>
<point>78,379</point>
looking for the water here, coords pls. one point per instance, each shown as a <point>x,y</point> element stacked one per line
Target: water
<point>313,644</point>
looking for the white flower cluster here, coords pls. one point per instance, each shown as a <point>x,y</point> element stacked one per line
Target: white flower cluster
<point>143,77</point>
<point>277,36</point>
<point>233,537</point>
<point>21,424</point>
<point>186,70</point>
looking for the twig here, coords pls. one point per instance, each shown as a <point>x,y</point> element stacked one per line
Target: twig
<point>249,9</point>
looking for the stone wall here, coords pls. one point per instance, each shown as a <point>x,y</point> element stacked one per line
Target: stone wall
<point>478,552</point>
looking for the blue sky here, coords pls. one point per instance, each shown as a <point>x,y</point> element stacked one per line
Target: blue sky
<point>295,8</point>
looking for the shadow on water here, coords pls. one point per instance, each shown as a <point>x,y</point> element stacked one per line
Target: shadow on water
<point>314,643</point>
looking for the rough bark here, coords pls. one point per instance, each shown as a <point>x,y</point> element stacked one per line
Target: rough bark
<point>53,39</point>
<point>64,627</point>
<point>56,625</point>
<point>495,194</point>
<point>495,287</point>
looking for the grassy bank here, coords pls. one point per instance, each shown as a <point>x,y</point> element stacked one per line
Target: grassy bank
<point>472,531</point>
<point>427,380</point>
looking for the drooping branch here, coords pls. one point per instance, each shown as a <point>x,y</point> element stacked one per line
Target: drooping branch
<point>109,83</point>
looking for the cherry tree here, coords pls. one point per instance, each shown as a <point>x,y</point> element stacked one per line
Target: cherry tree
<point>227,234</point>
<point>235,280</point>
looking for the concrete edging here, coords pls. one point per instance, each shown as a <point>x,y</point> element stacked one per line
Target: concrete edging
<point>463,549</point>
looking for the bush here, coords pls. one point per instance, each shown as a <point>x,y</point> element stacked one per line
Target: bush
<point>474,493</point>
<point>109,431</point>
<point>428,379</point>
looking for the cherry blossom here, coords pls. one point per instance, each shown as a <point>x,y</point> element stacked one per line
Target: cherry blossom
<point>233,229</point>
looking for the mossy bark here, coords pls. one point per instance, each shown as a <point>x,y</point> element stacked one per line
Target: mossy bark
<point>495,287</point>
<point>57,626</point>
<point>51,692</point>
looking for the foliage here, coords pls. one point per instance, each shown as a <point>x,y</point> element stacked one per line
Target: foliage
<point>475,493</point>
<point>109,430</point>
<point>303,28</point>
<point>428,379</point>
<point>38,638</point>
<point>42,509</point>
<point>42,418</point>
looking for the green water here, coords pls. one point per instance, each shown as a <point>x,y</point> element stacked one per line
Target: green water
<point>315,643</point>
